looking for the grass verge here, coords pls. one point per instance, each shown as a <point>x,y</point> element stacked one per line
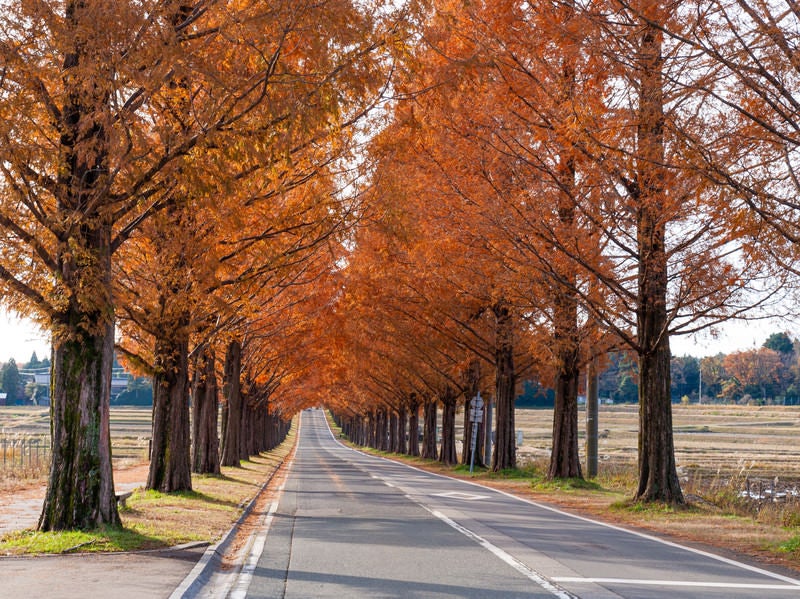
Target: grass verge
<point>153,520</point>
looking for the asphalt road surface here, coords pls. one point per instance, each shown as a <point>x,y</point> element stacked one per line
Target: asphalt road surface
<point>350,525</point>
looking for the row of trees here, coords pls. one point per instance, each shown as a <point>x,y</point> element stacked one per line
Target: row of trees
<point>171,182</point>
<point>561,179</point>
<point>548,181</point>
<point>770,373</point>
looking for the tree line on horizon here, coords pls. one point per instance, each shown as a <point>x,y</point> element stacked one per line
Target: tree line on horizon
<point>273,206</point>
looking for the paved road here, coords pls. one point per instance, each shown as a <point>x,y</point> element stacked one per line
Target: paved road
<point>352,525</point>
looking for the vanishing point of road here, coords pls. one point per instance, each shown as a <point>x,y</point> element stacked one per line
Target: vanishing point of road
<point>351,525</point>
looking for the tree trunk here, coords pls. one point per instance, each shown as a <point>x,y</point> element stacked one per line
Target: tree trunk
<point>245,424</point>
<point>372,436</point>
<point>380,430</point>
<point>205,409</point>
<point>413,427</point>
<point>448,454</point>
<point>80,488</point>
<point>402,417</point>
<point>384,432</point>
<point>658,477</point>
<point>170,445</point>
<point>429,450</point>
<point>565,459</point>
<point>233,395</point>
<point>505,452</point>
<point>393,439</point>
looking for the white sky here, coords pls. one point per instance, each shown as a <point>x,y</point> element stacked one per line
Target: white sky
<point>20,338</point>
<point>733,336</point>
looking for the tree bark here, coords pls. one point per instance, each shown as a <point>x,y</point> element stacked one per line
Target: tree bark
<point>402,417</point>
<point>448,454</point>
<point>170,468</point>
<point>592,418</point>
<point>658,477</point>
<point>205,409</point>
<point>80,487</point>
<point>565,459</point>
<point>413,427</point>
<point>394,442</point>
<point>505,452</point>
<point>429,449</point>
<point>245,423</point>
<point>233,395</point>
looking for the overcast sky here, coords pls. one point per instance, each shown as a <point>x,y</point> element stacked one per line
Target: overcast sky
<point>20,338</point>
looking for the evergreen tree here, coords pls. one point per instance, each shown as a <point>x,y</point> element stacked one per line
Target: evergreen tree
<point>11,384</point>
<point>780,342</point>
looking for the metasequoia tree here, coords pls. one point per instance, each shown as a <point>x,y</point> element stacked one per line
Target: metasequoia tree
<point>752,106</point>
<point>95,138</point>
<point>664,224</point>
<point>661,255</point>
<point>479,55</point>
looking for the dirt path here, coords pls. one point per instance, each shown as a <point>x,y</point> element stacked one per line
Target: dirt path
<point>20,506</point>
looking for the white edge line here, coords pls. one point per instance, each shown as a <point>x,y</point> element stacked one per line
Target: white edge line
<point>246,574</point>
<point>792,581</point>
<point>676,583</point>
<point>505,557</point>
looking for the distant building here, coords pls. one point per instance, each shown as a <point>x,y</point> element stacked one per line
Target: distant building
<point>3,397</point>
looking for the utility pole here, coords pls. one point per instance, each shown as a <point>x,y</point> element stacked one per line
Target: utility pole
<point>487,459</point>
<point>592,413</point>
<point>700,377</point>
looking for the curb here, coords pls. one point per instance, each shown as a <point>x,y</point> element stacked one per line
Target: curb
<point>211,560</point>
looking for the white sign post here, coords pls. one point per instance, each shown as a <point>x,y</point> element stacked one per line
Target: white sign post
<point>475,417</point>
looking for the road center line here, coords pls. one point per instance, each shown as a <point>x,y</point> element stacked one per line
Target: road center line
<point>677,583</point>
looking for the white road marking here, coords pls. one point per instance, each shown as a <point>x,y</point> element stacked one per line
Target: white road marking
<point>506,557</point>
<point>792,583</point>
<point>246,575</point>
<point>677,583</point>
<point>460,495</point>
<point>719,558</point>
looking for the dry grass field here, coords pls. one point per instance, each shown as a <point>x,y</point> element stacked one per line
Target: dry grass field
<point>710,440</point>
<point>130,434</point>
